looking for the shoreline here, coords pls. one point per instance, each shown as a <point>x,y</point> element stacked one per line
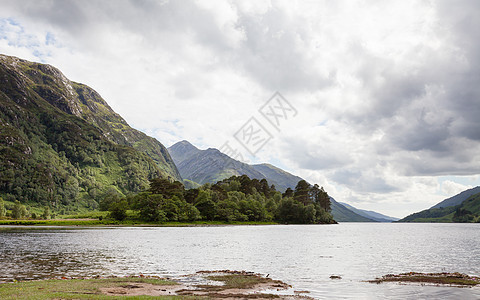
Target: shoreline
<point>130,223</point>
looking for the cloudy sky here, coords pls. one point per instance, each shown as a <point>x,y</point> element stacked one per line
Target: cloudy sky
<point>381,99</point>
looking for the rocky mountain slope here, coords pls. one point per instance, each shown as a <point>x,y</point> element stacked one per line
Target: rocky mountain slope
<point>60,142</point>
<point>211,165</point>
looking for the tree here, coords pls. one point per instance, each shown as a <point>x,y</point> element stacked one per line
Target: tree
<point>118,209</point>
<point>46,213</point>
<point>150,207</point>
<point>3,211</point>
<point>171,207</point>
<point>205,204</point>
<point>190,195</point>
<point>264,188</point>
<point>189,213</point>
<point>321,197</point>
<point>19,210</point>
<point>463,215</point>
<point>111,196</point>
<point>289,211</point>
<point>288,193</point>
<point>309,214</point>
<point>166,188</point>
<point>302,192</point>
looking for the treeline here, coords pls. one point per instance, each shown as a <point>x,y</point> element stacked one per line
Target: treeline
<point>233,199</point>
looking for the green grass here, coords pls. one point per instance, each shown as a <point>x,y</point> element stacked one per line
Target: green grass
<point>237,281</point>
<point>74,289</point>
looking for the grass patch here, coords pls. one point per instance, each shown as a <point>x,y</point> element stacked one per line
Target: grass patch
<point>75,288</point>
<point>237,281</point>
<point>455,279</point>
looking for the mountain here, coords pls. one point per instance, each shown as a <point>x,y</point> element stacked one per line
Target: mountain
<point>182,150</point>
<point>62,144</point>
<point>463,207</point>
<point>279,177</point>
<point>375,216</point>
<point>211,165</point>
<point>342,214</point>
<point>458,199</point>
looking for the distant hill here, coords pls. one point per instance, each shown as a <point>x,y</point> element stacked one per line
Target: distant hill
<point>342,214</point>
<point>62,145</point>
<point>211,165</point>
<point>458,199</point>
<point>277,176</point>
<point>378,217</point>
<point>466,210</point>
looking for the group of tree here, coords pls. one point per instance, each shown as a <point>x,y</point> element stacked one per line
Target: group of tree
<point>237,198</point>
<point>463,215</point>
<point>20,211</point>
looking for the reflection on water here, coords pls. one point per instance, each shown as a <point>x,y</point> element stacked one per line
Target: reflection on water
<point>305,256</point>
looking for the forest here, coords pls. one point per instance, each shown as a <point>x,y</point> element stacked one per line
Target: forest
<point>237,198</point>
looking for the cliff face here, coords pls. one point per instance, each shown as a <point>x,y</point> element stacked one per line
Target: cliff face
<point>63,133</point>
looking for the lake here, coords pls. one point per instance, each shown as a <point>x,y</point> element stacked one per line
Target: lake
<point>302,255</point>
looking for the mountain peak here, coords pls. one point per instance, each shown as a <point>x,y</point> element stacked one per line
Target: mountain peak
<point>181,151</point>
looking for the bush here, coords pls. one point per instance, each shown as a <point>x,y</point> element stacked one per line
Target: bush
<point>19,210</point>
<point>3,210</point>
<point>46,213</point>
<point>118,210</point>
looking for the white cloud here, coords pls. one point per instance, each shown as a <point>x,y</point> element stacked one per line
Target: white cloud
<point>387,93</point>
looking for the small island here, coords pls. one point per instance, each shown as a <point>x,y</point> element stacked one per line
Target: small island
<point>452,279</point>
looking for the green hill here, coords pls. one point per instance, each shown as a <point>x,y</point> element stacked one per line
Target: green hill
<point>62,145</point>
<point>467,211</point>
<point>342,214</point>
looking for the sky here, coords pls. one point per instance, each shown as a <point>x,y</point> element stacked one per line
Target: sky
<point>376,101</point>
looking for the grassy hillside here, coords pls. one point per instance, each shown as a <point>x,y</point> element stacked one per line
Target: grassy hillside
<point>466,212</point>
<point>342,214</point>
<point>378,217</point>
<point>55,152</point>
<point>458,199</point>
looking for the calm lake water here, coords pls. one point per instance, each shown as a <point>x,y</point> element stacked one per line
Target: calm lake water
<point>302,255</point>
